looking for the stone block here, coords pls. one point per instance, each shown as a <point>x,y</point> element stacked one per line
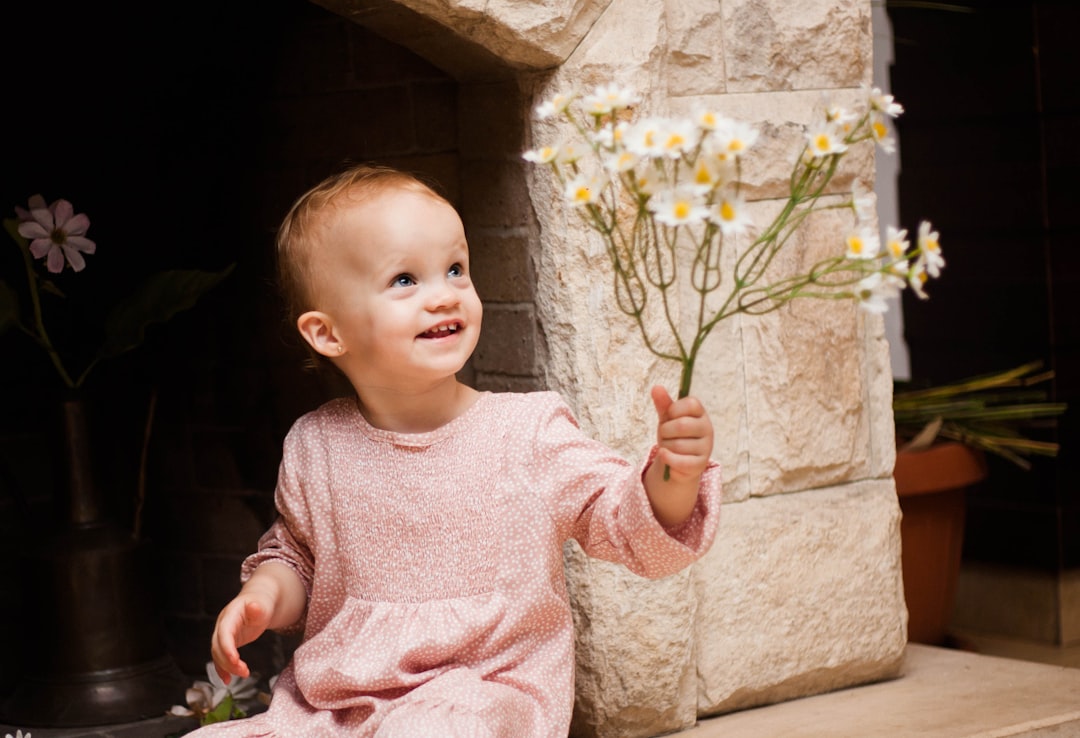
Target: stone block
<point>501,265</point>
<point>780,45</point>
<point>497,197</point>
<point>508,342</point>
<point>625,46</point>
<point>800,594</point>
<point>695,58</point>
<point>635,647</point>
<point>806,405</point>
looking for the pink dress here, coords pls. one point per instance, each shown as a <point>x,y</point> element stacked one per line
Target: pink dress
<point>434,566</point>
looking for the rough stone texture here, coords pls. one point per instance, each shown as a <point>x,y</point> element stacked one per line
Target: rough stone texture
<point>695,60</point>
<point>801,594</point>
<point>478,39</point>
<point>624,623</point>
<point>781,45</point>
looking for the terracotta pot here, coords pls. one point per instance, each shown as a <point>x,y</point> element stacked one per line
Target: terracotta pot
<point>931,485</point>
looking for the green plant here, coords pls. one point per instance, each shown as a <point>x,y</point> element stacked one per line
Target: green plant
<point>990,412</point>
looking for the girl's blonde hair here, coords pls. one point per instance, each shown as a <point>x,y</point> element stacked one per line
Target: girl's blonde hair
<point>300,232</point>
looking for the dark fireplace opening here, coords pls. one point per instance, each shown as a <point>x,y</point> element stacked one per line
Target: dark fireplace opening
<point>184,133</point>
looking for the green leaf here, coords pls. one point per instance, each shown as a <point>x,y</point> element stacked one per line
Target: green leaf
<point>221,713</point>
<point>9,307</point>
<point>159,299</point>
<point>11,225</point>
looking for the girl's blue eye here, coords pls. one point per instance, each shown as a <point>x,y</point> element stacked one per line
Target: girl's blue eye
<point>403,280</point>
<point>456,271</point>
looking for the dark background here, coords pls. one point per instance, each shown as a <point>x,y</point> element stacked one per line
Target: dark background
<point>990,154</point>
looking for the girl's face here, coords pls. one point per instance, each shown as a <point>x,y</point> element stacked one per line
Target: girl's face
<point>394,280</point>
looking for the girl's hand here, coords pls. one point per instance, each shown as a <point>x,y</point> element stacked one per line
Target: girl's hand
<point>684,434</point>
<point>239,623</point>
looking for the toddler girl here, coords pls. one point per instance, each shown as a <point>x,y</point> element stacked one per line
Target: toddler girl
<point>419,542</point>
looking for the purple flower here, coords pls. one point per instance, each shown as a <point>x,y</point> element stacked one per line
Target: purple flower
<point>56,233</point>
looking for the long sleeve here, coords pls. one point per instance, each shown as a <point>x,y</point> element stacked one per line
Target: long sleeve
<point>598,498</point>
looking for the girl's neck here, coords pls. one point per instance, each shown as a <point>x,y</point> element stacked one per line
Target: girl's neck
<point>419,412</point>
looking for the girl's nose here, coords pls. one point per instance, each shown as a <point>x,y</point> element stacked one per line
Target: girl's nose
<point>442,295</point>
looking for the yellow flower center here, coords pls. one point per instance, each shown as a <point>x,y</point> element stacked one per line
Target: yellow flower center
<point>896,248</point>
<point>932,245</point>
<point>855,244</point>
<point>650,136</point>
<point>727,212</point>
<point>702,175</point>
<point>880,131</point>
<point>736,145</point>
<point>682,210</point>
<point>822,142</point>
<point>582,194</point>
<point>674,141</point>
<point>708,119</point>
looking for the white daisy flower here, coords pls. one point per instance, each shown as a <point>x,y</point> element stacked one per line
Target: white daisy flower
<point>730,213</point>
<point>647,180</point>
<point>731,138</point>
<point>620,161</point>
<point>542,155</point>
<point>864,203</point>
<point>896,242</point>
<point>825,140</point>
<point>840,116</point>
<point>680,136</point>
<point>709,173</point>
<point>884,103</point>
<point>679,206</point>
<point>873,291</point>
<point>584,189</point>
<point>707,120</point>
<point>917,278</point>
<point>645,137</point>
<point>554,106</point>
<point>881,133</point>
<point>608,98</point>
<point>569,152</point>
<point>863,244</point>
<point>930,249</point>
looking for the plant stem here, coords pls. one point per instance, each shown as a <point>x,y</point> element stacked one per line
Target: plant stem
<point>39,320</point>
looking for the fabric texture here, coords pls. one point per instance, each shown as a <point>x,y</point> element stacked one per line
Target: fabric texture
<point>434,566</point>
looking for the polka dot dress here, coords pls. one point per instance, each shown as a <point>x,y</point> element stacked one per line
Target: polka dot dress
<point>434,567</point>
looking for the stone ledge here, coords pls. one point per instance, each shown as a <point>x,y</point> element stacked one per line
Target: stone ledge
<point>941,693</point>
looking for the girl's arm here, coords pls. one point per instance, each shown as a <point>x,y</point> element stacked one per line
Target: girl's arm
<point>684,435</point>
<point>274,597</point>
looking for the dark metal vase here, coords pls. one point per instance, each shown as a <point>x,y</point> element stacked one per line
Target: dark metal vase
<point>95,650</point>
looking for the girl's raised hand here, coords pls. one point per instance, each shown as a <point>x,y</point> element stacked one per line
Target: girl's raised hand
<point>684,434</point>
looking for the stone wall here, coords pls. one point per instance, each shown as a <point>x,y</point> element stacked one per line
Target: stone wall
<point>802,592</point>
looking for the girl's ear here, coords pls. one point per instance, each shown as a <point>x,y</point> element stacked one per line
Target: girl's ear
<point>317,328</point>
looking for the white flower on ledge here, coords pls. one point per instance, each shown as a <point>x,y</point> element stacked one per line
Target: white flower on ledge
<point>204,698</point>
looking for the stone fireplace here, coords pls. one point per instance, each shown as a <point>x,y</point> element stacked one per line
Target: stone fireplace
<point>802,592</point>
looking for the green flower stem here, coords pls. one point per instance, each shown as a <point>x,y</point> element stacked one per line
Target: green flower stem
<point>42,335</point>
